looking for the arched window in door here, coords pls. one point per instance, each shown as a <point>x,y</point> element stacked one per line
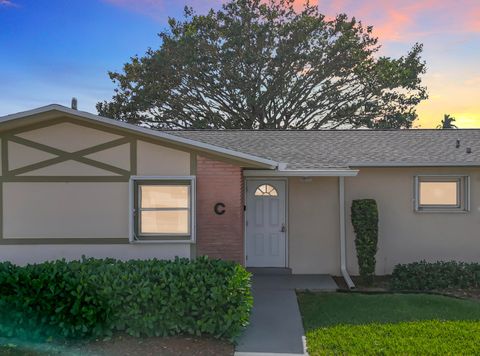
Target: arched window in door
<point>266,190</point>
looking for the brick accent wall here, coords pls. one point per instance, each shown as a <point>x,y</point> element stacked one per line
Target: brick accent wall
<point>220,236</point>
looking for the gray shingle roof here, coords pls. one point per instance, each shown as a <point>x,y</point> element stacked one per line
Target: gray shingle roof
<point>349,148</point>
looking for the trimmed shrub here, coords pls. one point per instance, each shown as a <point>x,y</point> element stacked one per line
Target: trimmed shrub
<point>52,298</point>
<point>438,275</point>
<point>95,297</point>
<point>365,224</point>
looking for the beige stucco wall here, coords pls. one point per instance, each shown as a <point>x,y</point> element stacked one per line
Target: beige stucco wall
<point>65,210</point>
<point>156,160</point>
<point>116,156</point>
<point>68,137</point>
<point>313,225</point>
<point>20,155</point>
<point>69,168</point>
<point>24,254</point>
<point>405,235</point>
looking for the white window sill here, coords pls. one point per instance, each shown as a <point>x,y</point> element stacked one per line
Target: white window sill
<point>142,242</point>
<point>433,211</point>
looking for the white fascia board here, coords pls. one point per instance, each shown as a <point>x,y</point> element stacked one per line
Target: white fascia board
<point>413,164</point>
<point>145,131</point>
<point>301,173</point>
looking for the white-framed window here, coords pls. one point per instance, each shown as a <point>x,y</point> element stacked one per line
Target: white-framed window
<point>442,193</point>
<point>162,209</point>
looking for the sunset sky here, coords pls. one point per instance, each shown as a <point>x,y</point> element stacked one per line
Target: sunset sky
<point>51,50</point>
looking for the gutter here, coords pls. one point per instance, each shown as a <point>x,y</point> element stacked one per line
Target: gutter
<point>327,172</point>
<point>412,164</point>
<point>343,240</point>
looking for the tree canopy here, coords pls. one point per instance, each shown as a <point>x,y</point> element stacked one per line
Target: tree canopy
<point>257,64</point>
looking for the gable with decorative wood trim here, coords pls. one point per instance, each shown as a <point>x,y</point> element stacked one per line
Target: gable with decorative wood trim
<point>66,181</point>
<point>63,150</point>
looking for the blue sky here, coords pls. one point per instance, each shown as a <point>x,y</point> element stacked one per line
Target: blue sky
<point>52,50</point>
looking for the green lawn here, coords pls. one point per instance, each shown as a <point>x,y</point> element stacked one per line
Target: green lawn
<point>355,324</point>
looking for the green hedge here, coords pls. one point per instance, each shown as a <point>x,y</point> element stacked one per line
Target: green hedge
<point>95,297</point>
<point>365,224</point>
<point>438,275</point>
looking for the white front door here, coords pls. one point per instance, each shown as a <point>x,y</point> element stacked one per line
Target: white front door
<point>265,223</point>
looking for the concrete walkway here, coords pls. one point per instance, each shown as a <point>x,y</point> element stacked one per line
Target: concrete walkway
<point>276,324</point>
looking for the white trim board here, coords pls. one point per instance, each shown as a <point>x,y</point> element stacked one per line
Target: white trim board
<point>301,173</point>
<point>411,164</point>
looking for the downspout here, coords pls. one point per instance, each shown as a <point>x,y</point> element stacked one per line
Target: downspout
<point>343,240</point>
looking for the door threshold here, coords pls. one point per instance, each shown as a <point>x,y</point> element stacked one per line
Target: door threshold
<point>270,270</point>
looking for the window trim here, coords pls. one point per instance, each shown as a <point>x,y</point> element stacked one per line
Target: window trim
<point>133,217</point>
<point>463,193</point>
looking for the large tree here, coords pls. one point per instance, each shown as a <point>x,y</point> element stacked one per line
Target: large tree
<point>258,64</point>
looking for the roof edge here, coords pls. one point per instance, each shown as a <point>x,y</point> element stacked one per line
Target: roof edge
<point>412,164</point>
<point>327,172</point>
<point>267,163</point>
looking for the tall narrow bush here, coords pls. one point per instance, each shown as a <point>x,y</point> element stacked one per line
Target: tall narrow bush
<point>365,225</point>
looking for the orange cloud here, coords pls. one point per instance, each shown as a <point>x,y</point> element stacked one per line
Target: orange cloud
<point>400,20</point>
<point>473,20</point>
<point>393,20</point>
<point>454,92</point>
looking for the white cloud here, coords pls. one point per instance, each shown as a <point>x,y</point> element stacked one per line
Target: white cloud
<point>8,3</point>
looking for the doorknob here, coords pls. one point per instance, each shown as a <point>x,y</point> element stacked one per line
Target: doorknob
<point>283,229</point>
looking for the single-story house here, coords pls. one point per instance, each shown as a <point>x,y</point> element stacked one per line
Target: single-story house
<point>74,183</point>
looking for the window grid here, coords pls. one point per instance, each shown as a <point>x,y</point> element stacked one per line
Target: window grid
<point>141,209</point>
<point>266,190</point>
